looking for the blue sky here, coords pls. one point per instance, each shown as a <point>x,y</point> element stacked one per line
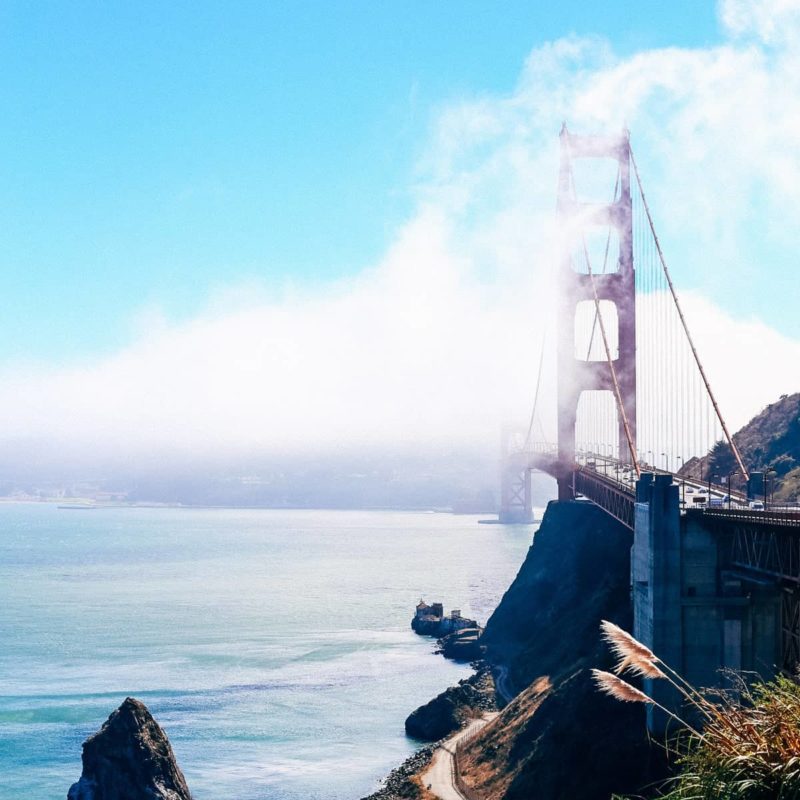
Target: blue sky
<point>289,228</point>
<point>156,153</point>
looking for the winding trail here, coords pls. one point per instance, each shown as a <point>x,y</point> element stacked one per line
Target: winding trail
<point>439,777</point>
<point>502,684</point>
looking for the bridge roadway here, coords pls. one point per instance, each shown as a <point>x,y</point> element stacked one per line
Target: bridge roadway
<point>765,541</point>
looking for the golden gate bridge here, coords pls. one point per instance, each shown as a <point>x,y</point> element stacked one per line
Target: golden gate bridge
<point>636,420</point>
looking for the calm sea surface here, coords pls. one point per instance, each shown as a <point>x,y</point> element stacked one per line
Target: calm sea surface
<point>273,646</point>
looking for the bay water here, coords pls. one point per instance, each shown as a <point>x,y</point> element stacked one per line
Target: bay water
<point>274,647</point>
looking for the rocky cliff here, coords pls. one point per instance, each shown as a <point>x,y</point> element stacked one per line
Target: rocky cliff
<point>129,758</point>
<point>558,738</point>
<point>576,572</point>
<point>454,707</point>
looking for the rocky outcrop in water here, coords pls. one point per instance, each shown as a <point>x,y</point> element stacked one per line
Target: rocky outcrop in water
<point>129,758</point>
<point>463,645</point>
<point>430,620</point>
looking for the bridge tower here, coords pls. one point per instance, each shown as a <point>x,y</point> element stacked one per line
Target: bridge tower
<point>576,375</point>
<point>516,496</point>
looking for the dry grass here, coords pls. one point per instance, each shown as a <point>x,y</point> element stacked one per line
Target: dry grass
<point>749,748</point>
<point>485,761</point>
<point>615,687</point>
<point>631,654</point>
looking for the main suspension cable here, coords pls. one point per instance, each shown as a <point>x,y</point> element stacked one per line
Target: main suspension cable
<point>535,396</point>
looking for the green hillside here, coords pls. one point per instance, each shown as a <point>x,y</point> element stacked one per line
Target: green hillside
<point>770,441</point>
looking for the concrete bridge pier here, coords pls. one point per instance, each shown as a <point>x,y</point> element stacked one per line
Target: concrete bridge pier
<point>655,584</point>
<point>691,605</point>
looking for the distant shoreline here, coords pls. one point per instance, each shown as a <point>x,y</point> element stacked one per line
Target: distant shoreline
<point>88,503</point>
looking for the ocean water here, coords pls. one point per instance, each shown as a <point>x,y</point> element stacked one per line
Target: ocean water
<point>273,646</point>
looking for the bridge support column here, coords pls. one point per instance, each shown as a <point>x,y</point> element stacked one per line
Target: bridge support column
<point>693,605</point>
<point>656,584</point>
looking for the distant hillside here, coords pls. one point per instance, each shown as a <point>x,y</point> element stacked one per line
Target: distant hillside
<point>771,440</point>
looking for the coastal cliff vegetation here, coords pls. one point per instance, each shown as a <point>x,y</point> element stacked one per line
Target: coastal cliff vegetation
<point>769,441</point>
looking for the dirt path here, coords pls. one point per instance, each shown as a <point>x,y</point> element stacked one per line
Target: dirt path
<point>501,684</point>
<point>439,776</point>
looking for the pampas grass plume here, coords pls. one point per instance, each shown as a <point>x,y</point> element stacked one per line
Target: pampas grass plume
<point>639,666</point>
<point>615,687</point>
<point>623,644</point>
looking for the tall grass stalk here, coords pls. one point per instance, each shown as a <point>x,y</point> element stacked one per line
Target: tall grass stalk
<point>749,748</point>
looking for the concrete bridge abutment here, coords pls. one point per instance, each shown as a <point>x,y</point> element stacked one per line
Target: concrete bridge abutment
<point>697,612</point>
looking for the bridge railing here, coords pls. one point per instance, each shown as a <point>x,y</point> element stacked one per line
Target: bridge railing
<point>547,448</point>
<point>789,518</point>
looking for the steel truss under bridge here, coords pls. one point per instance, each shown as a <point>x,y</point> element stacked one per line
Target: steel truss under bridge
<point>607,493</point>
<point>768,544</point>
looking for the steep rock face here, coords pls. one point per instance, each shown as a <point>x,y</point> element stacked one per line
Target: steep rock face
<point>129,758</point>
<point>563,741</point>
<point>560,739</point>
<point>576,573</point>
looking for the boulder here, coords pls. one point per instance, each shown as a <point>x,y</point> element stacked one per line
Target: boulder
<point>129,758</point>
<point>463,645</point>
<point>447,712</point>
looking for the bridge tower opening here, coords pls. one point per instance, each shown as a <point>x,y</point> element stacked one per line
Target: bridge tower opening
<point>579,279</point>
<point>596,425</point>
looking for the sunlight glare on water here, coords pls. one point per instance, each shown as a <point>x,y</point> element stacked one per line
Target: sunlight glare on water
<point>273,646</point>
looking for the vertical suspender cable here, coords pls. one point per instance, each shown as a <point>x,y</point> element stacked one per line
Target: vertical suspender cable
<point>718,413</point>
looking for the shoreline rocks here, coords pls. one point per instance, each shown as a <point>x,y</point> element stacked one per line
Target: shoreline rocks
<point>463,645</point>
<point>453,708</point>
<point>402,783</point>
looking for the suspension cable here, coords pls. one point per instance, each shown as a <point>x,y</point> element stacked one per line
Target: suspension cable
<point>605,267</point>
<point>717,411</point>
<point>617,392</point>
<point>535,395</point>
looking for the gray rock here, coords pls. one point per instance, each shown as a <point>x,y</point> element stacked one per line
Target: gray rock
<point>129,758</point>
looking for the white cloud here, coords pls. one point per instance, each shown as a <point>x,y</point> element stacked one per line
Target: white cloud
<point>438,341</point>
<point>769,20</point>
